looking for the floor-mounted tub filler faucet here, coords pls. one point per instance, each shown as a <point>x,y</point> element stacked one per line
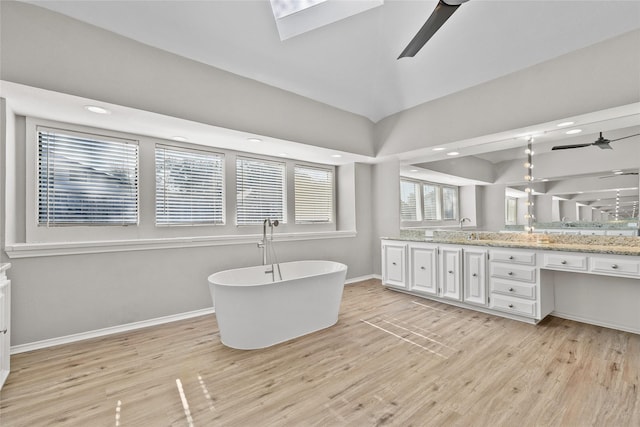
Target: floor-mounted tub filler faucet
<point>265,245</point>
<point>463,220</point>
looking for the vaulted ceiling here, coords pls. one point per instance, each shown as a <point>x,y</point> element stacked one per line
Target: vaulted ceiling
<point>351,64</point>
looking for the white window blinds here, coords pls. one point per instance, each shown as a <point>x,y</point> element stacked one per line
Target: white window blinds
<point>431,202</point>
<point>313,194</point>
<point>409,201</point>
<point>260,191</point>
<point>189,187</point>
<point>449,203</point>
<point>86,179</point>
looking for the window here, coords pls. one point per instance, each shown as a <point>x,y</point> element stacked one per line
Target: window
<point>260,191</point>
<point>409,206</point>
<point>431,202</point>
<point>425,201</point>
<point>313,194</point>
<point>86,179</point>
<point>449,203</point>
<point>511,206</point>
<point>189,186</point>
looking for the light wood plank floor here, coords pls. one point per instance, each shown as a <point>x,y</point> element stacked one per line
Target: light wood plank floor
<point>392,359</point>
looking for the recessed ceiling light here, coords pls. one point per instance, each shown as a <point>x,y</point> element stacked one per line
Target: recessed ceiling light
<point>96,109</point>
<point>573,131</point>
<point>283,154</point>
<point>413,170</point>
<point>563,124</point>
<point>179,138</point>
<point>618,173</point>
<point>545,179</point>
<point>452,153</point>
<point>254,140</point>
<point>438,149</point>
<point>337,156</point>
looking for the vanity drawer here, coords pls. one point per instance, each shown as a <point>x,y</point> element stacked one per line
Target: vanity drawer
<point>517,306</point>
<point>618,267</point>
<point>522,290</point>
<point>514,257</point>
<point>511,272</point>
<point>566,262</point>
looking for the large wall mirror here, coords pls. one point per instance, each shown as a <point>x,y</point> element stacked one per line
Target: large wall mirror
<point>591,186</point>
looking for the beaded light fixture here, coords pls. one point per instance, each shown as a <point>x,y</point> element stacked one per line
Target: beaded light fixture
<point>529,216</point>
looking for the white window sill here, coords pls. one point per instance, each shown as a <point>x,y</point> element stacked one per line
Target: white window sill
<point>32,250</point>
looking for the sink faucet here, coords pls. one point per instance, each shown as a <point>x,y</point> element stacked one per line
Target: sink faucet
<point>465,219</point>
<point>265,242</point>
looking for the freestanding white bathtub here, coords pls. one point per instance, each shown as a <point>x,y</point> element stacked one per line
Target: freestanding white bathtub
<point>254,311</point>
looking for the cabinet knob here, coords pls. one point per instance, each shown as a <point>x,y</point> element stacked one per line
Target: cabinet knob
<point>4,331</point>
<point>474,275</point>
<point>450,271</point>
<point>422,268</point>
<point>510,256</point>
<point>510,305</point>
<point>511,290</point>
<point>393,263</point>
<point>510,273</point>
<point>563,262</point>
<point>614,266</point>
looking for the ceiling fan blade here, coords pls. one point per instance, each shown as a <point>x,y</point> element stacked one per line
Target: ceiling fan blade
<point>566,147</point>
<point>624,137</point>
<point>439,16</point>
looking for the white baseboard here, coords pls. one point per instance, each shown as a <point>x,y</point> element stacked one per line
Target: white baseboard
<point>625,328</point>
<point>360,279</point>
<point>21,348</point>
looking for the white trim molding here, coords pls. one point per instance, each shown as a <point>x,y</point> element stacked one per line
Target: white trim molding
<point>67,339</point>
<point>32,250</point>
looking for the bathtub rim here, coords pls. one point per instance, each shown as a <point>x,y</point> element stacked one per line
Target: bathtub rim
<point>339,268</point>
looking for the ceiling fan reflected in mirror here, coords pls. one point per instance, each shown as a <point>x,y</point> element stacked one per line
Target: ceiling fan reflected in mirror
<point>618,174</point>
<point>444,9</point>
<point>601,142</point>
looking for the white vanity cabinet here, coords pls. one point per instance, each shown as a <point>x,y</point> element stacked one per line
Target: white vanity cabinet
<point>450,277</point>
<point>423,268</point>
<point>514,282</point>
<point>5,320</point>
<point>475,276</point>
<point>394,264</point>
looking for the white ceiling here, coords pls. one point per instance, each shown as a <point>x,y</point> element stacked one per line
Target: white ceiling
<point>351,64</point>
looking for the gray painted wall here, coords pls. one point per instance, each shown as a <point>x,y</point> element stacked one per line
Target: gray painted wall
<point>87,61</point>
<point>597,77</point>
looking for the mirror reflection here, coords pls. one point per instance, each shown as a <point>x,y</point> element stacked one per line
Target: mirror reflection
<point>584,177</point>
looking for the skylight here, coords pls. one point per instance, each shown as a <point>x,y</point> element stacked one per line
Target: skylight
<point>282,8</point>
<point>294,17</point>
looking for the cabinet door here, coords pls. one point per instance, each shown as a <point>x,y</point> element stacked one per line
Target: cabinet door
<point>394,264</point>
<point>5,300</point>
<point>423,268</point>
<point>450,273</point>
<point>475,276</point>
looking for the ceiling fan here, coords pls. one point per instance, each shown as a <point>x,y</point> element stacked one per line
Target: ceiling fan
<point>600,142</point>
<point>444,9</point>
<point>618,174</point>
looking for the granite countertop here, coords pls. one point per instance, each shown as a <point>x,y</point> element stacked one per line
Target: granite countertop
<point>614,245</point>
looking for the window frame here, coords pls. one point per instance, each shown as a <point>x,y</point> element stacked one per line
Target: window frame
<point>94,239</point>
<point>94,159</point>
<point>213,153</point>
<point>440,205</point>
<point>285,186</point>
<point>332,183</point>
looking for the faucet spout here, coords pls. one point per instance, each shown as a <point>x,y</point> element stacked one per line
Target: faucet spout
<point>463,220</point>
